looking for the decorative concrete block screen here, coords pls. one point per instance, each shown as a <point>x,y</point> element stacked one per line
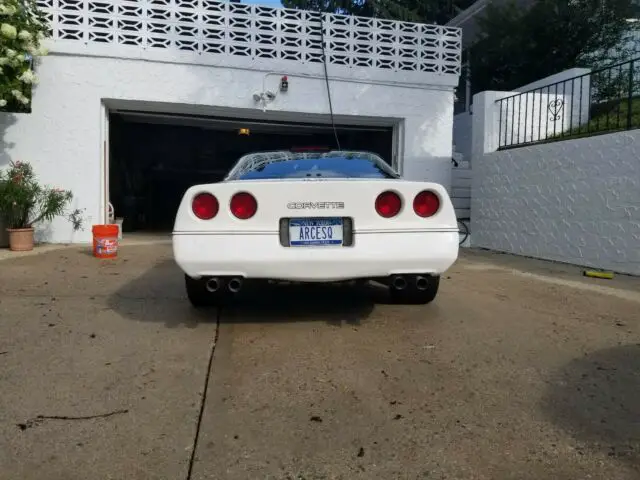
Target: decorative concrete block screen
<point>235,29</point>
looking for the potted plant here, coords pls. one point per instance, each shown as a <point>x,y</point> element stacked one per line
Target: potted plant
<point>23,203</point>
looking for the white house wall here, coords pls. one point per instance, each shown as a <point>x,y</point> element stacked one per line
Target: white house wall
<point>574,201</point>
<point>62,138</point>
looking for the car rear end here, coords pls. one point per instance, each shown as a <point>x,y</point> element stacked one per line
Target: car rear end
<point>315,229</point>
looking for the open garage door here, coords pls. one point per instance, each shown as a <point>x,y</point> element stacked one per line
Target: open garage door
<point>154,158</point>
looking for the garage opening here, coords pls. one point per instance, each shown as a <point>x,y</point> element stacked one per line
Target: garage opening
<point>154,158</point>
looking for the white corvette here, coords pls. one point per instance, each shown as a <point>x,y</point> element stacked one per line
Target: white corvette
<point>314,217</point>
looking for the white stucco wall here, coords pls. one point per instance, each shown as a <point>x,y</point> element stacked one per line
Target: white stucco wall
<point>62,138</point>
<point>574,201</point>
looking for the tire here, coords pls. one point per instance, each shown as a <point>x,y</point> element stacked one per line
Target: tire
<point>413,296</point>
<point>199,296</point>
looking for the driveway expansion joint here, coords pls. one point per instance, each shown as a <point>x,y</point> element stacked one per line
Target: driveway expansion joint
<point>203,397</point>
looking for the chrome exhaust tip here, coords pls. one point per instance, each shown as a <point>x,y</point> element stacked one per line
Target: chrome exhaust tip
<point>235,284</point>
<point>212,285</point>
<point>398,282</point>
<point>422,283</point>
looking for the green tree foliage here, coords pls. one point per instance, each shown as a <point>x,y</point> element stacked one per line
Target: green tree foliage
<point>517,46</point>
<point>22,30</point>
<point>425,11</point>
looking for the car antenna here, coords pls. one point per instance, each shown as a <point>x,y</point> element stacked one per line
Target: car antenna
<point>326,79</point>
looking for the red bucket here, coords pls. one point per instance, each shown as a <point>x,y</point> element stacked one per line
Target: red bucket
<point>105,241</point>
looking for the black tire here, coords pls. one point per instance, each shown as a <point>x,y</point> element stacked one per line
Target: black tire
<point>199,296</point>
<point>413,296</point>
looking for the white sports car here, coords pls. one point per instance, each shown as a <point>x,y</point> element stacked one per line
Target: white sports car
<point>314,217</point>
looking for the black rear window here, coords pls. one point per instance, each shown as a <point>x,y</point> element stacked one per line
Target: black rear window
<point>274,165</point>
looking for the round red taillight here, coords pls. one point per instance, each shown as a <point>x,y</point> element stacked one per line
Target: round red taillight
<point>388,204</point>
<point>243,205</point>
<point>205,206</point>
<point>426,204</point>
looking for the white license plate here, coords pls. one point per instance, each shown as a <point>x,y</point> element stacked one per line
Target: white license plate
<point>309,232</point>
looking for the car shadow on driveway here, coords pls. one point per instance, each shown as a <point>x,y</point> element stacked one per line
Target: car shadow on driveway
<point>158,295</point>
<point>596,399</point>
<point>333,304</point>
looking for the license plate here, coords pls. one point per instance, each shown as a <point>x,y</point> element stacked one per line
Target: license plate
<point>309,232</point>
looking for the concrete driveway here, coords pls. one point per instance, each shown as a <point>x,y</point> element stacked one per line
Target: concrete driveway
<point>519,370</point>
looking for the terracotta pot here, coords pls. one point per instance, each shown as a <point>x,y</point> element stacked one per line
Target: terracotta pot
<point>20,239</point>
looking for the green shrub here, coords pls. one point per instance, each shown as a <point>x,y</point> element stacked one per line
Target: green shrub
<point>23,27</point>
<point>23,202</point>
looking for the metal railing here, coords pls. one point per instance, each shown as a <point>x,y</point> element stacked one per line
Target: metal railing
<point>602,101</point>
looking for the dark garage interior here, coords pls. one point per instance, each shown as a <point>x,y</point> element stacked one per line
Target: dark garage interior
<point>155,158</point>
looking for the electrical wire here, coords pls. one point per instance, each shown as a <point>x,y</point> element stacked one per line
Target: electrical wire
<point>326,79</point>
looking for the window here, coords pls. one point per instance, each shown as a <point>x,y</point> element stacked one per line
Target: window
<point>281,165</point>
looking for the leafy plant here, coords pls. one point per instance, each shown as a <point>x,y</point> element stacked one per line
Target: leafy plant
<point>23,202</point>
<point>23,27</point>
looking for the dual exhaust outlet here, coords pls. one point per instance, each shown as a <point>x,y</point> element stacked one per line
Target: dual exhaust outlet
<point>401,282</point>
<point>234,284</point>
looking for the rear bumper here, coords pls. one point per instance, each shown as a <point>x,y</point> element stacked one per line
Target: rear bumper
<point>262,256</point>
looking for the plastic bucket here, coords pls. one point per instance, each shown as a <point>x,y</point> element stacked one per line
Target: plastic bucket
<point>105,241</point>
